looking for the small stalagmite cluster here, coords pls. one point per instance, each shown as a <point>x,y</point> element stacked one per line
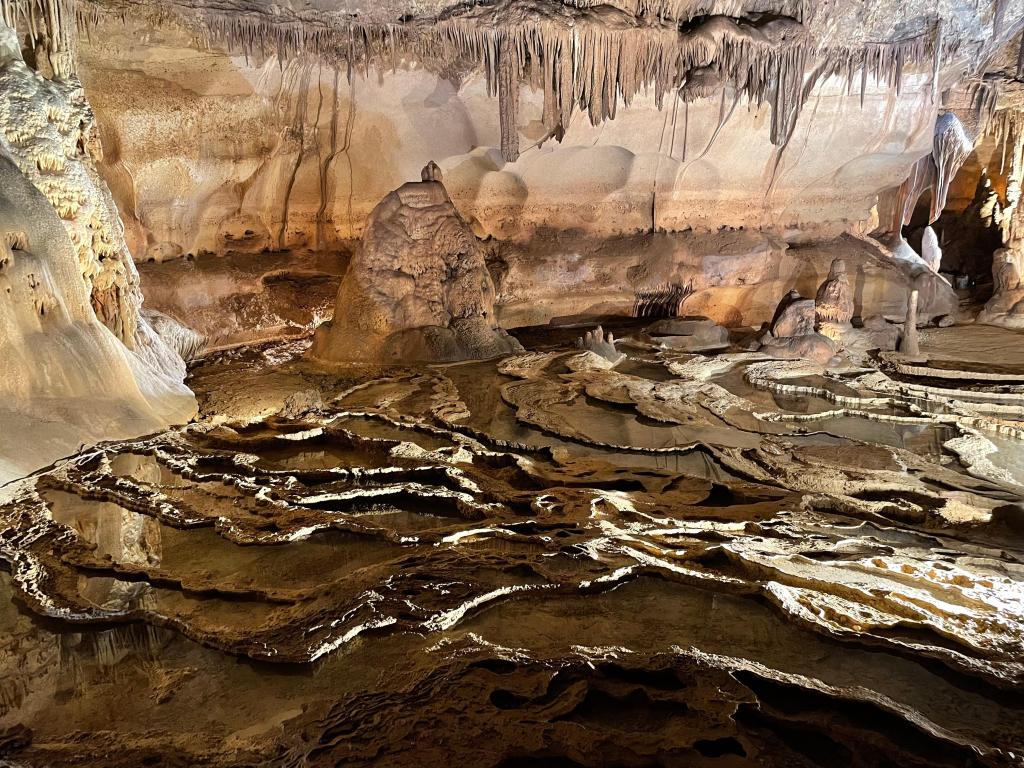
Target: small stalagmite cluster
<point>792,333</point>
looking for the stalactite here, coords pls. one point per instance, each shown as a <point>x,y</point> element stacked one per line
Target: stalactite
<point>982,96</point>
<point>508,99</point>
<point>922,176</point>
<point>583,60</point>
<point>594,65</point>
<point>951,146</point>
<point>1006,126</point>
<point>51,25</point>
<point>789,97</point>
<point>686,10</point>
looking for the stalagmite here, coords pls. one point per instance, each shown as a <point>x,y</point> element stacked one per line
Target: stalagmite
<point>909,345</point>
<point>1005,271</point>
<point>833,304</point>
<point>417,289</point>
<point>601,344</point>
<point>834,300</point>
<point>431,172</point>
<point>1006,307</point>
<point>792,334</point>
<point>931,252</point>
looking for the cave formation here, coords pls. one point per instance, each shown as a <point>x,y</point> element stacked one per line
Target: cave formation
<point>511,383</point>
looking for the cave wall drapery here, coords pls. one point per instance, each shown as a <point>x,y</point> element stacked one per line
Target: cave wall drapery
<point>215,144</point>
<point>80,362</point>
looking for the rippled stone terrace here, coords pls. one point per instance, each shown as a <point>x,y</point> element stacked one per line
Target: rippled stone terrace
<point>531,561</point>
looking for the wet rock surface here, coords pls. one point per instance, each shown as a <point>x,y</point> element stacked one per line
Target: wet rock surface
<point>244,298</point>
<point>792,334</point>
<point>532,561</point>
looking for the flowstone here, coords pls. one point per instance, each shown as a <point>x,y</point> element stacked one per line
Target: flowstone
<point>66,380</point>
<point>833,304</point>
<point>694,334</point>
<point>1006,307</point>
<point>80,361</point>
<point>792,333</point>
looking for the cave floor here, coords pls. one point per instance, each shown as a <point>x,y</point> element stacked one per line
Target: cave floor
<point>987,347</point>
<point>536,561</point>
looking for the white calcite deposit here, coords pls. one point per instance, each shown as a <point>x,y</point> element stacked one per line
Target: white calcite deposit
<point>80,364</point>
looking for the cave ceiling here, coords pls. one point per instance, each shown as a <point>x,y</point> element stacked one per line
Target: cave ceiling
<point>983,26</point>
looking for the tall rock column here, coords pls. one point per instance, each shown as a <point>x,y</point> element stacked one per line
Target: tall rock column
<point>508,99</point>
